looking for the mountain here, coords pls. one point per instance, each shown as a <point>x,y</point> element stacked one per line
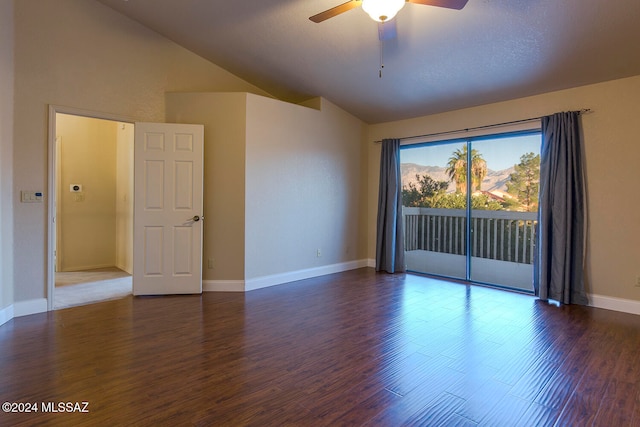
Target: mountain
<point>495,180</point>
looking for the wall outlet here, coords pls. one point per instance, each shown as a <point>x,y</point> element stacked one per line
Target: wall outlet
<point>210,263</point>
<point>318,253</point>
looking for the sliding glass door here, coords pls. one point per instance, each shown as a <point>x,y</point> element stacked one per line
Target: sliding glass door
<point>475,223</point>
<point>434,210</point>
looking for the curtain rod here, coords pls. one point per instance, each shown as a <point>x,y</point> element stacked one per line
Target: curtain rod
<point>514,122</point>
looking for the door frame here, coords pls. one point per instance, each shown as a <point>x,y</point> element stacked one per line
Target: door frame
<point>52,187</point>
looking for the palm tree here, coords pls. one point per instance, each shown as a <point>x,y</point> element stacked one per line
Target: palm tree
<point>457,169</point>
<point>478,170</point>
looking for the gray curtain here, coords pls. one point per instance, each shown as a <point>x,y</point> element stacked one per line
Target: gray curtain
<point>562,211</point>
<point>390,237</point>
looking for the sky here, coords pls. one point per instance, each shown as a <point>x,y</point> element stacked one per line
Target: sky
<point>500,153</point>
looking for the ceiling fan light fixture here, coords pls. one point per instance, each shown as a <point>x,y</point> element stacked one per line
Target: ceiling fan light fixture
<point>382,10</point>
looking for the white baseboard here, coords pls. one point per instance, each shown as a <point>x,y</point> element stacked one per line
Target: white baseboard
<point>126,268</point>
<point>371,263</point>
<point>33,306</point>
<point>223,285</point>
<point>292,276</point>
<point>6,314</point>
<point>616,304</point>
<point>86,267</point>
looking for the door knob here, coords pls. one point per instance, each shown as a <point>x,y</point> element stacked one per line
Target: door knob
<point>196,218</point>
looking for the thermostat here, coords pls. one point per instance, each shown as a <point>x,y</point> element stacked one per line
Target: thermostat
<point>75,188</point>
<point>31,196</point>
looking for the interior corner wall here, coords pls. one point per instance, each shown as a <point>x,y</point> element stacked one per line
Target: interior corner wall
<point>224,118</point>
<point>84,55</point>
<point>281,181</point>
<point>6,158</point>
<point>303,188</point>
<point>611,155</point>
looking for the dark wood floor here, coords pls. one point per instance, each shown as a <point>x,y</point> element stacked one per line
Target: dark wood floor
<point>355,348</point>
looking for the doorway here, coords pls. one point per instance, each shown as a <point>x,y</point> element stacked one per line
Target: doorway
<point>91,207</point>
<point>474,223</point>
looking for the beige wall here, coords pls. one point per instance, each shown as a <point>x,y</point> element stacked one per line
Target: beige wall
<point>124,197</point>
<point>303,182</point>
<point>86,220</point>
<point>224,118</point>
<point>6,154</point>
<point>612,152</point>
<point>281,181</point>
<point>81,54</point>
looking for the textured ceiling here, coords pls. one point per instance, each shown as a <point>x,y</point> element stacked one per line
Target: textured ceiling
<point>440,60</point>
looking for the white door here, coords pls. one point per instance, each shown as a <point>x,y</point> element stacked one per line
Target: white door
<point>167,221</point>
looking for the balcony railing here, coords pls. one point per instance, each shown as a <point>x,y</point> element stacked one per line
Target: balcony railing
<point>497,235</point>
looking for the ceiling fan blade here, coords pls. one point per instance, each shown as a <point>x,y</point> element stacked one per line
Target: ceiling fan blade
<point>449,4</point>
<point>335,11</point>
<point>387,30</point>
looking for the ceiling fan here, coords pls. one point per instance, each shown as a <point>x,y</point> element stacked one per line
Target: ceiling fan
<point>383,10</point>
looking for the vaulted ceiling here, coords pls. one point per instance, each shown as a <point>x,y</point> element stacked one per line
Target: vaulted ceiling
<point>439,60</point>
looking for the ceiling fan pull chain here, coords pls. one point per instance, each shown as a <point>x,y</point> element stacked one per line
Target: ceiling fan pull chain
<point>381,57</point>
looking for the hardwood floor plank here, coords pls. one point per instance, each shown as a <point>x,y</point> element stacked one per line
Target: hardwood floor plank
<point>507,412</point>
<point>539,416</point>
<point>436,412</point>
<point>483,401</point>
<point>586,400</point>
<point>410,374</point>
<point>422,401</point>
<point>455,420</point>
<point>619,405</point>
<point>473,380</point>
<point>563,382</point>
<point>353,348</point>
<point>512,372</point>
<point>365,410</point>
<point>534,380</point>
<point>557,391</point>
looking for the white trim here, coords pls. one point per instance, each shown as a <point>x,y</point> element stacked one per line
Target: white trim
<point>32,306</point>
<point>616,304</point>
<point>63,109</point>
<point>371,263</point>
<point>223,285</point>
<point>6,314</point>
<point>292,276</point>
<point>87,267</point>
